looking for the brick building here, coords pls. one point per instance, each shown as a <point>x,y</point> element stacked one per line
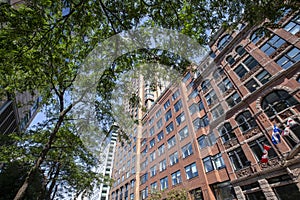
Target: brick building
<point>207,133</point>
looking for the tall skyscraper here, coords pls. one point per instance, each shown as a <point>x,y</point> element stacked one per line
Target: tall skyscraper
<point>231,130</point>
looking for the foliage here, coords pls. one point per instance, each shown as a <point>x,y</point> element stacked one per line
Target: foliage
<point>175,194</point>
<point>43,45</point>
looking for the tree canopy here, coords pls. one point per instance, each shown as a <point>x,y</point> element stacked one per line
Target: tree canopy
<point>42,48</point>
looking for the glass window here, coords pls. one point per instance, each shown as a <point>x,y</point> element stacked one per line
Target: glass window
<point>160,136</point>
<point>240,50</point>
<point>159,123</point>
<point>174,158</point>
<point>161,150</point>
<point>187,77</point>
<point>151,131</point>
<point>206,140</point>
<point>152,156</point>
<point>191,171</point>
<point>218,73</point>
<point>152,143</point>
<point>233,99</point>
<point>183,133</point>
<point>289,58</point>
<point>240,71</point>
<point>176,178</point>
<point>252,85</point>
<point>272,44</point>
<point>180,118</point>
<point>193,108</point>
<point>226,132</point>
<point>153,186</point>
<point>238,159</point>
<point>257,35</point>
<point>257,147</point>
<point>168,115</point>
<point>170,128</point>
<point>178,105</point>
<point>187,150</point>
<point>230,60</point>
<point>225,85</point>
<point>171,142</point>
<point>153,171</point>
<point>217,112</point>
<point>277,101</point>
<point>294,25</point>
<point>167,104</point>
<point>175,95</point>
<point>224,41</point>
<point>205,86</point>
<point>162,165</point>
<point>263,77</point>
<point>164,183</point>
<point>158,113</point>
<point>211,97</point>
<point>193,94</point>
<point>208,165</point>
<point>245,121</point>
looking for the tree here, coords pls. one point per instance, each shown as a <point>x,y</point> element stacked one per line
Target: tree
<point>43,45</point>
<point>175,194</point>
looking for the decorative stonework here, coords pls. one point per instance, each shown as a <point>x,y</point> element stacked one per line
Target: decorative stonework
<point>228,92</point>
<point>247,171</point>
<point>252,71</point>
<point>230,143</point>
<point>251,133</point>
<point>279,50</point>
<point>271,163</point>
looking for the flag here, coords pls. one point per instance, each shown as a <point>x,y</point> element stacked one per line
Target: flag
<point>290,122</point>
<point>276,135</point>
<point>265,158</point>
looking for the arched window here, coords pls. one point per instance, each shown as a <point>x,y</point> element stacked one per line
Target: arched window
<point>230,60</point>
<point>218,73</point>
<point>205,85</point>
<point>240,50</point>
<point>257,35</point>
<point>224,41</point>
<point>277,101</point>
<point>245,121</point>
<point>226,132</point>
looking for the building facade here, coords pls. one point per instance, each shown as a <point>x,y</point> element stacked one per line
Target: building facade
<point>208,134</point>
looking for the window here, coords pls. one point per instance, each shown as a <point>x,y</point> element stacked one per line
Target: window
<point>224,41</point>
<point>211,97</point>
<point>171,142</point>
<point>257,35</point>
<point>144,193</point>
<point>153,171</point>
<point>160,136</point>
<point>226,132</point>
<point>218,73</point>
<point>183,133</point>
<point>143,142</point>
<point>144,178</point>
<point>248,64</point>
<point>205,86</point>
<point>245,121</point>
<point>180,118</point>
<point>213,163</point>
<point>191,171</point>
<point>168,115</point>
<point>238,159</point>
<point>151,121</point>
<point>167,104</point>
<point>153,186</point>
<point>178,105</point>
<point>159,123</point>
<point>225,85</point>
<point>175,95</point>
<point>193,94</point>
<point>164,183</point>
<point>158,113</point>
<point>170,128</point>
<point>277,101</point>
<point>289,58</point>
<point>161,150</point>
<point>187,150</point>
<point>230,60</point>
<point>293,26</point>
<point>206,140</point>
<point>152,143</point>
<point>162,165</point>
<point>240,50</point>
<point>174,158</point>
<point>151,131</point>
<point>217,112</point>
<point>201,106</point>
<point>200,122</point>
<point>152,156</point>
<point>176,178</point>
<point>233,99</point>
<point>263,76</point>
<point>187,77</point>
<point>252,85</point>
<point>272,44</point>
<point>190,85</point>
<point>257,147</point>
<point>193,108</point>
